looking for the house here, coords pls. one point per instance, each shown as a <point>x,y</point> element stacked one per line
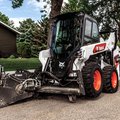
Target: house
<point>7,40</point>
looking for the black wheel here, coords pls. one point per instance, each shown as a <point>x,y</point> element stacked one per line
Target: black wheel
<point>92,78</point>
<point>110,77</point>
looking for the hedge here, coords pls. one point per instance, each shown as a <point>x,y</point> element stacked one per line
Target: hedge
<point>19,63</point>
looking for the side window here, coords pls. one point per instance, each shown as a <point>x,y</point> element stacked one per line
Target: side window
<point>95,32</point>
<point>91,33</point>
<point>88,27</point>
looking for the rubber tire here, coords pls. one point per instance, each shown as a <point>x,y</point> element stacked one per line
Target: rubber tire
<point>107,73</point>
<point>87,73</point>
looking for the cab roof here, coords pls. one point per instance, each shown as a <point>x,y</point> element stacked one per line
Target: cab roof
<point>73,14</point>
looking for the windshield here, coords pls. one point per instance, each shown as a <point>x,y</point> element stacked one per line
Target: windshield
<point>66,35</point>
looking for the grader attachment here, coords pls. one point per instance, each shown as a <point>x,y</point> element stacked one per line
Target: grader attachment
<point>9,96</point>
<point>8,88</point>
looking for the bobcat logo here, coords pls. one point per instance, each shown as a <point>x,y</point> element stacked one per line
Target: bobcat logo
<point>61,65</point>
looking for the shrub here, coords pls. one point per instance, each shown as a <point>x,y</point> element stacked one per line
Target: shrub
<point>12,56</point>
<point>19,63</point>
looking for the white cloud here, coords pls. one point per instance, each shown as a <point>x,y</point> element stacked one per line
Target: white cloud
<point>17,20</point>
<point>37,5</point>
<point>40,5</point>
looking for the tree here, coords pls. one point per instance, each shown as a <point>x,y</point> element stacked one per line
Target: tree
<point>78,5</point>
<point>40,37</point>
<point>33,37</point>
<point>41,33</point>
<point>24,41</point>
<point>109,14</point>
<point>23,49</point>
<point>106,12</point>
<point>6,20</point>
<point>55,10</point>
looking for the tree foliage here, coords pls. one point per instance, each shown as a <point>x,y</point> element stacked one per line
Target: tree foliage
<point>33,37</point>
<point>77,5</point>
<point>55,10</point>
<point>23,49</point>
<point>17,3</point>
<point>107,12</point>
<point>40,37</point>
<point>6,20</point>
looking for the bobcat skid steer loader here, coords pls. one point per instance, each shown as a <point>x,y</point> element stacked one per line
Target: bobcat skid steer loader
<point>80,61</point>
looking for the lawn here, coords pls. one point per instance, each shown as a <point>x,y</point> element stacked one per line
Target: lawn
<point>19,63</point>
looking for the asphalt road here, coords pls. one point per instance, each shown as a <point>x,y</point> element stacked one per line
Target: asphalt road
<point>106,107</point>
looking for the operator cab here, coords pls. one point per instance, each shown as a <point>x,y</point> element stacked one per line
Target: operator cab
<point>71,30</point>
<point>66,34</point>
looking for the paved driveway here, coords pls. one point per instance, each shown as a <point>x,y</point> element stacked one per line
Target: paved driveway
<point>106,107</point>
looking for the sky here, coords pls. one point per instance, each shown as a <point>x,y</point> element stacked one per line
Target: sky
<point>30,9</point>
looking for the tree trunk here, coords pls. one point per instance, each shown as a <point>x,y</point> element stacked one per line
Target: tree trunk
<point>55,10</point>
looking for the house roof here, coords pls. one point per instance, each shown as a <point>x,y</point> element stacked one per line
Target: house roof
<point>10,28</point>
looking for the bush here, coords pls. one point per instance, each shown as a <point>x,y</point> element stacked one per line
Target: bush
<point>12,57</point>
<point>19,63</point>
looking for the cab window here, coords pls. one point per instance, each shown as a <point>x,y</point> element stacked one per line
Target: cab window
<point>91,33</point>
<point>95,33</point>
<point>88,28</point>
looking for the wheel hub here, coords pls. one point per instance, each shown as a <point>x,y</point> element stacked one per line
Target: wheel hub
<point>97,80</point>
<point>114,80</point>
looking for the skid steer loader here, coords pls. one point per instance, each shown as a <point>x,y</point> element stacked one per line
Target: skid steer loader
<point>80,61</point>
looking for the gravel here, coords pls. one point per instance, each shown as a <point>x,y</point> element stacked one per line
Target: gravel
<point>57,107</point>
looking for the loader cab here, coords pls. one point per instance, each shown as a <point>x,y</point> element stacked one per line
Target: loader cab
<point>72,29</point>
<point>66,34</point>
<point>70,32</point>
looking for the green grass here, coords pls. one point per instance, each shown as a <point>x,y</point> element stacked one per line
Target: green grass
<point>19,63</point>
